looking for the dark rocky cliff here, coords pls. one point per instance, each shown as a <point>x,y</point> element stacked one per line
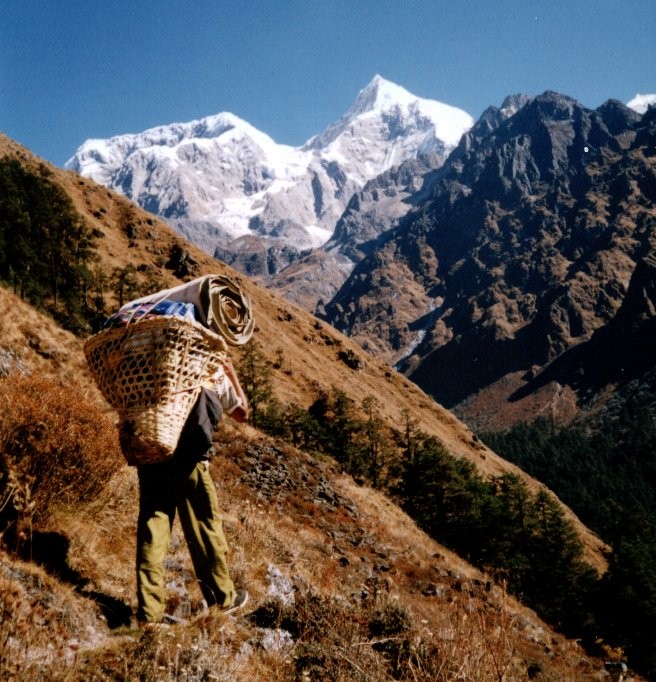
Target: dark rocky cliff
<point>524,248</point>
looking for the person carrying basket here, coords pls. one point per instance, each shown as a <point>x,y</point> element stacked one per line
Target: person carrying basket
<point>161,363</point>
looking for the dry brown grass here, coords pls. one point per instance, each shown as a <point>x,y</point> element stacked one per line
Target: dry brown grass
<point>375,598</point>
<point>56,446</point>
<point>43,623</point>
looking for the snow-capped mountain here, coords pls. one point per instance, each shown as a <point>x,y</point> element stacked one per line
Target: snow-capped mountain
<point>386,126</point>
<point>218,170</point>
<point>641,103</point>
<point>224,184</point>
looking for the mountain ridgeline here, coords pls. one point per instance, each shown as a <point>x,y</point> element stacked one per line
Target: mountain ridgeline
<point>475,257</point>
<point>256,204</point>
<point>531,256</point>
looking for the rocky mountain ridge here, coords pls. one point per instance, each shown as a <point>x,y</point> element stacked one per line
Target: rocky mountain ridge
<point>314,277</point>
<point>524,248</point>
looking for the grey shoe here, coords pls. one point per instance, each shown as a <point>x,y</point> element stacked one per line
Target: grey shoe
<point>241,598</point>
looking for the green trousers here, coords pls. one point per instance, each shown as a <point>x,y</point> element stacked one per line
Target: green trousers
<point>188,489</point>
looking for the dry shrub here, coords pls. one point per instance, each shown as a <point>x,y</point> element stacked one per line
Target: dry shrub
<point>342,641</point>
<point>56,446</point>
<point>381,639</point>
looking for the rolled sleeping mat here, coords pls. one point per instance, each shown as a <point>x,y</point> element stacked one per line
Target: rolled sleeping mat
<point>221,305</point>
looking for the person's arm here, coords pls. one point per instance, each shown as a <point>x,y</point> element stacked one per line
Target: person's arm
<point>241,412</point>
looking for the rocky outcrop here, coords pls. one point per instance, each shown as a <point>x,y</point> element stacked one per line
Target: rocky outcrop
<point>617,353</point>
<point>524,248</point>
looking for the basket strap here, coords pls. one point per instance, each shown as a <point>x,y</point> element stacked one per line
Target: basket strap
<point>189,388</point>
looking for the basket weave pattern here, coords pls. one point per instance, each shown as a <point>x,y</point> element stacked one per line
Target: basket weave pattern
<point>151,372</point>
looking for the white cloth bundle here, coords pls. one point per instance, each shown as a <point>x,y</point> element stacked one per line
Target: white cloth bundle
<point>221,305</point>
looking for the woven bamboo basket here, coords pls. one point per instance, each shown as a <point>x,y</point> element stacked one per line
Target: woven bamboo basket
<point>151,372</point>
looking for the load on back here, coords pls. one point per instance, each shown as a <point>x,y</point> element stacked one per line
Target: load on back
<point>155,354</point>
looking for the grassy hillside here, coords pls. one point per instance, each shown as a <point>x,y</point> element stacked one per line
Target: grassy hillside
<point>373,596</point>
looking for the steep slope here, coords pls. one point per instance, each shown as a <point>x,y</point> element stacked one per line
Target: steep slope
<point>525,247</point>
<point>335,572</point>
<point>310,347</point>
<point>337,544</point>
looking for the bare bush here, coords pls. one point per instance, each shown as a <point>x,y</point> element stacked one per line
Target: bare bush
<point>56,447</point>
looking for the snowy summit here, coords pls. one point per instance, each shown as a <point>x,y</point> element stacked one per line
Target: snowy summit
<point>219,179</point>
<point>641,103</point>
<point>388,125</point>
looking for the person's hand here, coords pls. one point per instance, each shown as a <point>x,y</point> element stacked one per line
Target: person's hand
<point>240,414</point>
<point>232,375</point>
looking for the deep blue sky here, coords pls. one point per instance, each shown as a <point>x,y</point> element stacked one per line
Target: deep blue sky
<point>75,69</point>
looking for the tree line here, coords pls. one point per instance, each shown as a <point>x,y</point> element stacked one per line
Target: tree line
<point>520,538</point>
<point>605,470</point>
<point>48,253</point>
<point>45,248</point>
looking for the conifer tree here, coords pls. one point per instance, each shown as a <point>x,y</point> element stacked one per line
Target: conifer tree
<point>125,284</point>
<point>342,426</point>
<point>374,440</point>
<point>46,248</point>
<point>255,376</point>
